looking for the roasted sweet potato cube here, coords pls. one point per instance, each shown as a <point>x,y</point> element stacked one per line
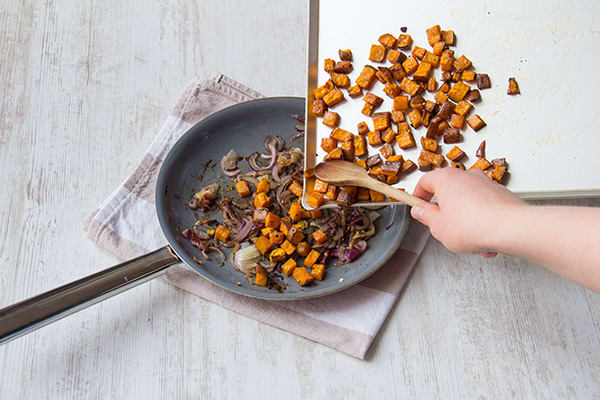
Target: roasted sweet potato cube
<point>455,153</point>
<point>449,37</point>
<point>446,109</point>
<point>462,63</point>
<point>396,157</point>
<point>320,186</point>
<point>407,167</point>
<point>222,233</point>
<point>354,91</point>
<point>384,75</point>
<point>457,121</point>
<point>377,53</point>
<point>335,154</point>
<point>366,77</point>
<point>332,192</point>
<point>410,65</point>
<point>343,67</point>
<point>417,102</point>
<point>334,97</point>
<point>263,185</point>
<point>475,122</point>
<point>434,34</point>
<point>374,138</point>
<point>431,84</point>
<point>432,59</point>
<point>395,56</point>
<point>388,135</point>
<point>397,70</point>
<point>405,138</point>
<point>423,72</point>
<point>429,144</point>
<point>452,135</point>
<point>348,150</point>
<point>483,81</point>
<point>381,121</point>
<point>513,88</point>
<point>391,168</point>
<point>362,194</point>
<point>442,127</point>
<point>296,188</point>
<point>319,107</point>
<point>321,91</point>
<point>360,146</point>
<point>372,99</point>
<point>386,150</point>
<point>341,135</point>
<point>328,144</point>
<point>388,40</point>
<point>473,96</point>
<point>424,165</point>
<point>409,86</point>
<point>404,41</point>
<point>362,163</point>
<point>260,279</point>
<point>397,117</point>
<point>340,80</point>
<point>432,129</point>
<point>318,271</point>
<point>440,97</point>
<point>242,188</point>
<point>426,118</point>
<point>433,158</point>
<point>445,88</point>
<point>345,55</point>
<point>275,237</point>
<point>468,76</point>
<point>498,173</point>
<point>500,161</point>
<point>288,267</point>
<point>391,89</point>
<point>415,118</point>
<point>262,244</point>
<point>400,103</point>
<point>458,165</point>
<point>329,65</point>
<point>315,199</point>
<point>463,108</point>
<point>367,109</point>
<point>481,164</point>
<point>376,197</point>
<point>447,60</point>
<point>418,52</point>
<point>438,48</point>
<point>455,76</point>
<point>458,91</point>
<point>375,172</point>
<point>331,119</point>
<point>302,276</point>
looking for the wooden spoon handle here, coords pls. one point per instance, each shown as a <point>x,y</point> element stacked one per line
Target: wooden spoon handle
<point>394,193</point>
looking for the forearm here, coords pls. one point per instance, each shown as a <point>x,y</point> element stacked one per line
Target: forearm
<point>564,239</point>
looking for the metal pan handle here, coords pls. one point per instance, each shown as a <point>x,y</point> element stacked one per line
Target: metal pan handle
<point>35,312</point>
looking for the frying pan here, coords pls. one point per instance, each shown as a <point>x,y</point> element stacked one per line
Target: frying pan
<point>184,171</point>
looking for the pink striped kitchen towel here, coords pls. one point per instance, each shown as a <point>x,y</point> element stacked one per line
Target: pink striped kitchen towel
<point>347,321</point>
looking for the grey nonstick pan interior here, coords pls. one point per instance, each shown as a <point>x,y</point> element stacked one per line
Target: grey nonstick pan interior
<point>242,127</point>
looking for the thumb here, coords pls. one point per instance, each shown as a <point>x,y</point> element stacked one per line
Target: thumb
<point>425,213</point>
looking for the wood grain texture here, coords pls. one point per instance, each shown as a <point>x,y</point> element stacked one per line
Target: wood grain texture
<point>86,85</point>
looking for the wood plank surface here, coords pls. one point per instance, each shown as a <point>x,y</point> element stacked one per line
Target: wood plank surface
<point>85,87</point>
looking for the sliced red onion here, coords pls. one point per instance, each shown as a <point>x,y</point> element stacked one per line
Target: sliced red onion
<point>243,232</point>
<point>275,173</point>
<point>298,136</point>
<point>267,142</point>
<point>232,173</point>
<point>352,253</point>
<point>299,118</point>
<point>279,143</point>
<point>361,222</point>
<point>194,239</point>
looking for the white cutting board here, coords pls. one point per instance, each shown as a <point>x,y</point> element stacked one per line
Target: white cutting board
<point>549,134</point>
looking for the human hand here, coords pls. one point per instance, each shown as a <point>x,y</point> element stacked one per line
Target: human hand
<point>469,212</point>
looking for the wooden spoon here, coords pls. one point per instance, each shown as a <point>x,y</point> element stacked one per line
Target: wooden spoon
<point>348,173</point>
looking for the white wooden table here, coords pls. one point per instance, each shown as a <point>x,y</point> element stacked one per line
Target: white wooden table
<point>84,89</point>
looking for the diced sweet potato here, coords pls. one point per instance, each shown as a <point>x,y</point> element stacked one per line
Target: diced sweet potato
<point>381,121</point>
<point>288,247</point>
<point>397,157</point>
<point>418,52</point>
<point>222,233</point>
<point>363,128</point>
<point>295,235</point>
<point>468,76</point>
<point>388,40</point>
<point>332,192</point>
<point>341,135</point>
<point>458,91</point>
<point>424,165</point>
<point>362,194</point>
<point>242,188</point>
<point>343,67</point>
<point>457,121</point>
<point>449,37</point>
<point>415,118</point>
<point>261,200</point>
<point>452,135</point>
<point>410,65</point>
<point>432,59</point>
<point>319,236</point>
<point>447,60</point>
<point>455,153</point>
<point>483,81</point>
<point>340,80</point>
<point>367,109</point>
<point>386,150</point>
<point>388,135</point>
<point>462,63</point>
<point>314,214</point>
<point>498,173</point>
<point>384,75</point>
<point>434,34</point>
<point>398,117</point>
<point>481,164</point>
<point>405,137</point>
<point>457,165</point>
<point>404,41</point>
<point>429,144</point>
<point>438,48</point>
<point>272,221</point>
<point>263,185</point>
<point>445,88</point>
<point>321,91</point>
<point>433,158</point>
<point>315,199</point>
<point>475,122</point>
<point>440,97</point>
<point>319,107</point>
<point>366,77</point>
<point>417,102</point>
<point>360,146</point>
<point>331,119</point>
<point>354,91</point>
<point>409,86</point>
<point>463,108</point>
<point>373,161</point>
<point>423,72</point>
<point>446,109</point>
<point>374,138</point>
<point>473,96</point>
<point>335,154</point>
<point>320,186</point>
<point>391,168</point>
<point>513,88</point>
<point>329,65</point>
<point>377,53</point>
<point>328,144</point>
<point>260,279</point>
<point>397,70</point>
<point>407,167</point>
<point>431,84</point>
<point>311,258</point>
<point>348,150</point>
<point>372,99</point>
<point>376,197</point>
<point>275,237</point>
<point>301,276</point>
<point>345,55</point>
<point>296,188</point>
<point>391,89</point>
<point>262,244</point>
<point>400,103</point>
<point>288,267</point>
<point>334,97</point>
<point>302,249</point>
<point>318,271</point>
<point>395,56</point>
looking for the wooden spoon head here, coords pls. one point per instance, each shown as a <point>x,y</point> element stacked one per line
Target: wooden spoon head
<point>341,172</point>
